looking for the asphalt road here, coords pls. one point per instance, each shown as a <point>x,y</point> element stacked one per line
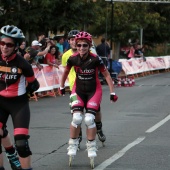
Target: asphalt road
<point>136,128</point>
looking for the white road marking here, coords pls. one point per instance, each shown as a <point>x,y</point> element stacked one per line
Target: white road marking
<point>156,126</point>
<point>119,154</point>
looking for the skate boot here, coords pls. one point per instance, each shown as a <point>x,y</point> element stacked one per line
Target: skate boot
<point>72,149</point>
<point>100,134</point>
<point>91,149</point>
<point>80,138</point>
<point>14,161</point>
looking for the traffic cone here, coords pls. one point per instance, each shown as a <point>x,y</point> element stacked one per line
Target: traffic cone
<point>113,82</point>
<point>133,81</point>
<point>127,80</point>
<point>130,82</point>
<point>125,83</point>
<point>119,84</point>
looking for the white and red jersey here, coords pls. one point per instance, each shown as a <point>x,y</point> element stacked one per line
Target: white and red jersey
<point>14,72</point>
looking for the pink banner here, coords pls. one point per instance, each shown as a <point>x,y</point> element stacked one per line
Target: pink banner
<point>137,65</point>
<point>49,77</point>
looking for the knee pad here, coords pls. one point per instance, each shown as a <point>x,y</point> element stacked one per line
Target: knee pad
<point>22,146</point>
<point>77,119</point>
<point>5,132</point>
<point>89,120</point>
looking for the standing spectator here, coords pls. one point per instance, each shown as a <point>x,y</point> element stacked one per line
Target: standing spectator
<point>66,45</point>
<point>41,36</point>
<point>47,42</point>
<point>14,93</point>
<point>51,58</point>
<point>59,44</point>
<point>130,52</point>
<point>103,50</point>
<point>107,42</point>
<point>143,51</point>
<point>34,52</point>
<point>42,40</point>
<point>21,49</point>
<point>138,51</point>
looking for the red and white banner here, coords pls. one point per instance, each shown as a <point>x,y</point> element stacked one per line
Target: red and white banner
<point>49,77</point>
<point>137,65</point>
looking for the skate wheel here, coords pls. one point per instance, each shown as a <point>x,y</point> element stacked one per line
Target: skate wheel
<point>92,163</point>
<point>70,160</point>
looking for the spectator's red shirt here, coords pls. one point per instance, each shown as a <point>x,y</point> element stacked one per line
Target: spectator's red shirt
<point>49,57</point>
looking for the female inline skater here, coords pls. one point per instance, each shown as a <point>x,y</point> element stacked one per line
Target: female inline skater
<point>14,72</point>
<point>86,93</point>
<point>71,78</point>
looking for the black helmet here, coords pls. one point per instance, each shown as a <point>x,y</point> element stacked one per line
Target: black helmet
<point>13,32</point>
<point>73,33</point>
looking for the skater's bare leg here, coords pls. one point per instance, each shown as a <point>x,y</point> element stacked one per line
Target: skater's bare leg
<point>91,133</point>
<point>74,133</point>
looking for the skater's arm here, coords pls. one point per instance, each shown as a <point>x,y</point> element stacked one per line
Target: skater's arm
<point>113,96</point>
<point>64,77</point>
<point>109,80</point>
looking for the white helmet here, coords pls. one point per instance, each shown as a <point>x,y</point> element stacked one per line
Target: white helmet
<point>12,31</point>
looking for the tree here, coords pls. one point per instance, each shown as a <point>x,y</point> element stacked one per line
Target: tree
<point>34,16</point>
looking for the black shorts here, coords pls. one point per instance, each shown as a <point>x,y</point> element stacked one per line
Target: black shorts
<point>18,108</point>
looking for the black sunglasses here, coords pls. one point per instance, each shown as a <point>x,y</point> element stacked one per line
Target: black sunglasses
<point>9,45</point>
<point>82,45</point>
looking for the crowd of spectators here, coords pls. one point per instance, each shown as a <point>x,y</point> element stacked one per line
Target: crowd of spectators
<point>49,51</point>
<point>43,51</point>
<point>133,50</point>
